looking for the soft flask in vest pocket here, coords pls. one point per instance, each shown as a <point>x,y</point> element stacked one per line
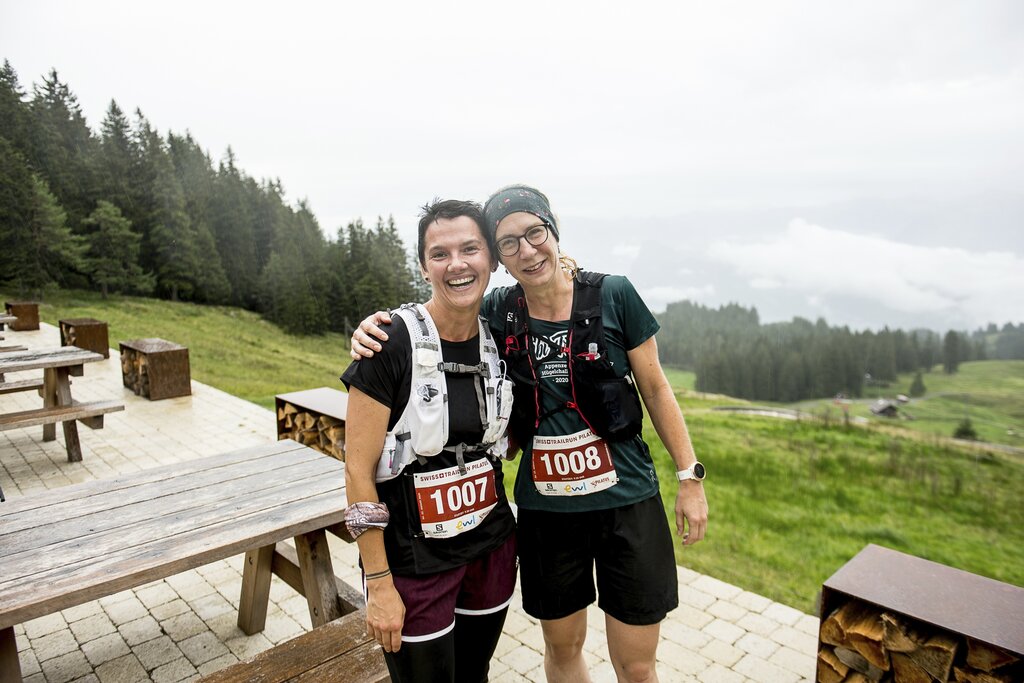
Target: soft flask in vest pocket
<point>427,400</point>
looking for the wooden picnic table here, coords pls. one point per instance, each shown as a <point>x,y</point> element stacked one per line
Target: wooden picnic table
<point>80,543</point>
<point>58,366</point>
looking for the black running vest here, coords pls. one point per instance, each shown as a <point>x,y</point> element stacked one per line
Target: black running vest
<point>609,404</point>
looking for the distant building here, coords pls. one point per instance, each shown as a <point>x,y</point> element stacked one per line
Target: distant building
<point>883,407</point>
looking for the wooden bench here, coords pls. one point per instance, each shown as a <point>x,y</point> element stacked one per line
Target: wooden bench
<point>20,385</point>
<point>339,651</point>
<point>90,414</point>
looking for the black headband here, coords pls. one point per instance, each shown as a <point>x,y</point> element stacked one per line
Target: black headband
<point>515,199</point>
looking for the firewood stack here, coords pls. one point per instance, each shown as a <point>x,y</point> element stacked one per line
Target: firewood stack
<point>321,432</point>
<point>861,642</point>
<point>134,371</point>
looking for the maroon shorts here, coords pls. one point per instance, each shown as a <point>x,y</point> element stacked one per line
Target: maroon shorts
<point>483,586</point>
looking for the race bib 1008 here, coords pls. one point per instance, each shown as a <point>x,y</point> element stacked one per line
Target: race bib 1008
<point>574,465</point>
<point>452,503</point>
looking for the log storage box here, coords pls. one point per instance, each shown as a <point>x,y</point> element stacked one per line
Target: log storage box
<point>27,313</point>
<point>314,418</point>
<point>155,368</point>
<point>85,333</point>
<point>889,616</point>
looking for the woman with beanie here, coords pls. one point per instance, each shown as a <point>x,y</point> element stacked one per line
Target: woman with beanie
<point>580,348</point>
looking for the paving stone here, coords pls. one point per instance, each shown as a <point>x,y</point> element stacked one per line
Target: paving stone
<point>725,609</point>
<point>54,644</point>
<point>155,594</point>
<point>245,647</point>
<point>79,612</point>
<point>116,598</point>
<point>126,610</point>
<point>125,669</point>
<point>506,644</point>
<point>685,575</point>
<point>798,640</point>
<point>752,601</point>
<point>716,673</point>
<point>202,648</point>
<point>66,668</point>
<point>724,631</point>
<point>721,652</point>
<point>29,662</point>
<point>172,672</point>
<point>784,614</point>
<point>88,678</point>
<point>763,671</point>
<point>516,623</point>
<point>51,623</point>
<point>183,626</point>
<point>140,630</point>
<point>755,623</point>
<point>757,645</point>
<point>34,678</point>
<point>800,663</point>
<point>523,659</point>
<point>808,624</point>
<point>105,649</point>
<point>719,589</point>
<point>225,626</point>
<point>158,651</point>
<point>681,634</point>
<point>169,609</point>
<point>690,616</point>
<point>688,595</point>
<point>222,662</point>
<point>91,628</point>
<point>684,660</point>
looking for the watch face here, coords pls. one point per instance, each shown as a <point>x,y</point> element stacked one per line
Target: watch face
<point>698,471</point>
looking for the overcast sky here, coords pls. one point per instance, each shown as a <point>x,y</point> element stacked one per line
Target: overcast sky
<point>858,161</point>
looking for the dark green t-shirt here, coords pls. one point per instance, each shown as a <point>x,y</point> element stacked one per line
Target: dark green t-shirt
<point>628,323</point>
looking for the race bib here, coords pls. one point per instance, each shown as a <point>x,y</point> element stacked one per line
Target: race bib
<point>575,465</point>
<point>451,503</point>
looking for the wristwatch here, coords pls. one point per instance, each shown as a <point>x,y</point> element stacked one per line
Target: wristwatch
<point>694,471</point>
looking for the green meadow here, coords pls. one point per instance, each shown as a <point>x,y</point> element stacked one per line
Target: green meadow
<point>790,501</point>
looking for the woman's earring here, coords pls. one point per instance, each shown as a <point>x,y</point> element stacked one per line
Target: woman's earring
<point>426,279</point>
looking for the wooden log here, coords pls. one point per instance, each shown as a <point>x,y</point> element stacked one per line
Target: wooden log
<point>830,668</point>
<point>969,675</point>
<point>859,663</point>
<point>835,629</point>
<point>936,655</point>
<point>905,670</point>
<point>985,657</point>
<point>858,626</point>
<point>900,634</point>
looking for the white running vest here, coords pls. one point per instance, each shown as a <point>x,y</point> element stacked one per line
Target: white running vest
<point>422,429</point>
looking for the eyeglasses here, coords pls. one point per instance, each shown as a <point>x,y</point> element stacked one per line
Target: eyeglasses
<point>536,236</point>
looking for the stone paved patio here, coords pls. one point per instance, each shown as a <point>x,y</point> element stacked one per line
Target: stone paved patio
<point>184,626</point>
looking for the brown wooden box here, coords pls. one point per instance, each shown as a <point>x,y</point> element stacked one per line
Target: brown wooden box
<point>27,313</point>
<point>315,418</point>
<point>155,368</point>
<point>85,333</point>
<point>943,599</point>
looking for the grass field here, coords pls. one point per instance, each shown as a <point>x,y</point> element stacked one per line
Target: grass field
<point>990,393</point>
<point>790,502</point>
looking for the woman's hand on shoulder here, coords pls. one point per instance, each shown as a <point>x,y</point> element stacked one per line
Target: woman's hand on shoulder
<point>364,339</point>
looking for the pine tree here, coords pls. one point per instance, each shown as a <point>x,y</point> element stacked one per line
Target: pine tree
<point>14,116</point>
<point>951,352</point>
<point>118,155</point>
<point>112,258</point>
<point>917,387</point>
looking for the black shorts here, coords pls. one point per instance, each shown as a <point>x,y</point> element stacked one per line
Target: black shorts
<point>631,547</point>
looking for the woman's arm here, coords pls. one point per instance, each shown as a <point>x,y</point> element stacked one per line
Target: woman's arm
<point>364,338</point>
<point>367,421</point>
<point>691,504</point>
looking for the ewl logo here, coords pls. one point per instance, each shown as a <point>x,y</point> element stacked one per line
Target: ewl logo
<point>466,523</point>
<point>577,488</point>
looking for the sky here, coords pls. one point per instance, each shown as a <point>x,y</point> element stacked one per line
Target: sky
<point>861,162</point>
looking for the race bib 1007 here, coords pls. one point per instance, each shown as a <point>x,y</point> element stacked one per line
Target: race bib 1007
<point>452,503</point>
<point>574,465</point>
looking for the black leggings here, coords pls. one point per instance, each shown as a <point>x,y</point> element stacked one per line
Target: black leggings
<point>434,661</point>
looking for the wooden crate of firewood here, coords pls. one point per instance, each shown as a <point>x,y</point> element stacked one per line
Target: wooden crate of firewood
<point>314,418</point>
<point>155,368</point>
<point>85,333</point>
<point>891,617</point>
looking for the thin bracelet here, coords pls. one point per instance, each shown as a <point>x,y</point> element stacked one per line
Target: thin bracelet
<point>378,575</point>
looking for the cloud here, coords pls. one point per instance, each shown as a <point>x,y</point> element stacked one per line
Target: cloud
<point>823,265</point>
<point>657,298</point>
